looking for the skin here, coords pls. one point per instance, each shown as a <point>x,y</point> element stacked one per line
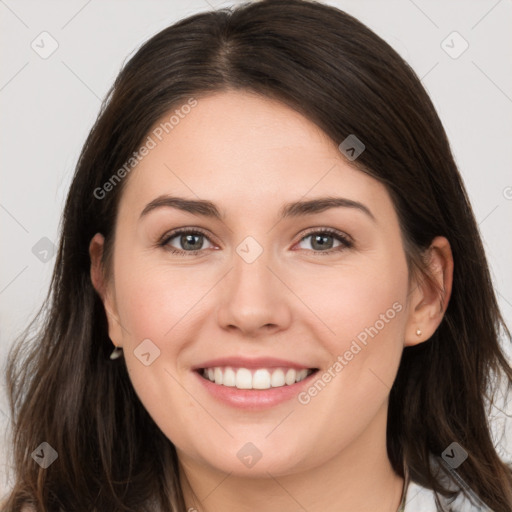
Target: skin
<point>250,155</point>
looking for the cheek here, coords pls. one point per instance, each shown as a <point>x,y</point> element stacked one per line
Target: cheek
<point>362,313</point>
<point>156,302</point>
<point>153,298</point>
<point>349,300</point>
<point>365,314</point>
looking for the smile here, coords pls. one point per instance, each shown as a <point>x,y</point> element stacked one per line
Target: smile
<point>256,378</point>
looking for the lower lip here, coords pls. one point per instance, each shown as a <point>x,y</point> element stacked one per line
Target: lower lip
<point>253,398</point>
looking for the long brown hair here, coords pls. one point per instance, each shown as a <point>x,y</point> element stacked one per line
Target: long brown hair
<point>325,64</point>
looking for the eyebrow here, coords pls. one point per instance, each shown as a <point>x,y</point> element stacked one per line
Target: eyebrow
<point>294,209</point>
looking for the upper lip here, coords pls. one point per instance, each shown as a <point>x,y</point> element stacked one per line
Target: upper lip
<point>256,362</point>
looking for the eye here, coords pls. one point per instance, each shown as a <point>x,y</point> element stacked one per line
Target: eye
<point>184,241</point>
<point>323,241</point>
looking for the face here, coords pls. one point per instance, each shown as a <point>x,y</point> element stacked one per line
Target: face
<point>258,294</point>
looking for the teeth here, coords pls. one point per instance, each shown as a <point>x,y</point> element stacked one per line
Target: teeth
<point>229,377</point>
<point>290,376</point>
<point>261,378</point>
<point>243,379</point>
<point>277,380</point>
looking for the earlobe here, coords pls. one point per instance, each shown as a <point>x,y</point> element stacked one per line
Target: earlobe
<point>430,296</point>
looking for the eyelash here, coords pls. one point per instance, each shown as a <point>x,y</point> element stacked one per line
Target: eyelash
<point>346,242</point>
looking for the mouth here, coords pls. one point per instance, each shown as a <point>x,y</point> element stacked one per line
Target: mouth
<point>254,378</point>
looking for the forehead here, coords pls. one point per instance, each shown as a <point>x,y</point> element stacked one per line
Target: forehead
<point>243,151</point>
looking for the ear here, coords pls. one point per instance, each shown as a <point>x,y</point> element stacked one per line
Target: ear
<point>104,288</point>
<point>428,298</point>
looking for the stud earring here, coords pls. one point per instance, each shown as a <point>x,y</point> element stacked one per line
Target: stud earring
<point>418,332</point>
<point>117,352</point>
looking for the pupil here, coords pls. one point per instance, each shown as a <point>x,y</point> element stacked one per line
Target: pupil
<point>320,239</point>
<point>185,239</point>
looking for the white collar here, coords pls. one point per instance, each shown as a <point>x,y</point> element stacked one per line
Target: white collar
<point>421,499</point>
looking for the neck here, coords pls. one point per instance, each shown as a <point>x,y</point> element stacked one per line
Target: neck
<point>359,478</point>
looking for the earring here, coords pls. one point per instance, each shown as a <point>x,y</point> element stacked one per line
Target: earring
<point>117,352</point>
<point>418,332</point>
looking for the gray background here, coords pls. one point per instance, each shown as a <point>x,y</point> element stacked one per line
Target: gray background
<point>49,104</point>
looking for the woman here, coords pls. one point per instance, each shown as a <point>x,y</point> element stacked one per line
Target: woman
<point>251,372</point>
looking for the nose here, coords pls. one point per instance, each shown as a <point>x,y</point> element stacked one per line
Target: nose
<point>254,300</point>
